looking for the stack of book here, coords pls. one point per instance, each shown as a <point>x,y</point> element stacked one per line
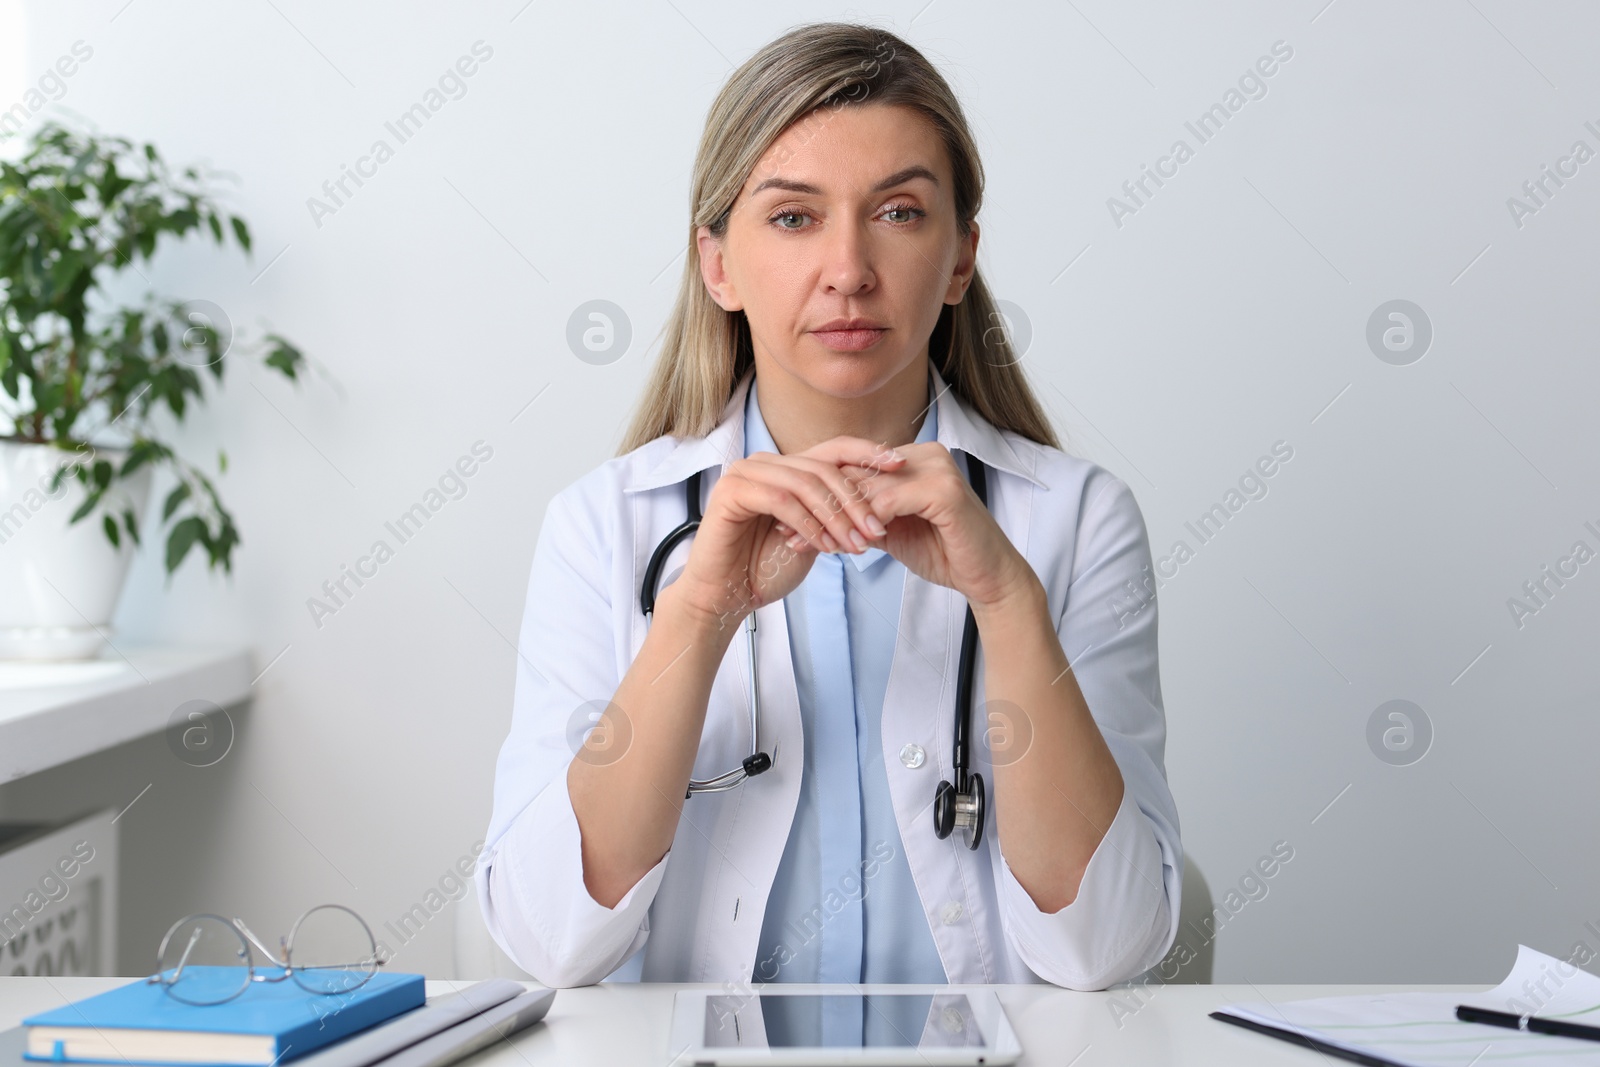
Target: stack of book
<point>388,1021</point>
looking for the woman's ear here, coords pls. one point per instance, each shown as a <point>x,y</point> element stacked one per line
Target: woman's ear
<point>966,266</point>
<point>714,272</point>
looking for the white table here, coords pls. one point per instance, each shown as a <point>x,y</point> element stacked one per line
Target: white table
<point>620,1024</point>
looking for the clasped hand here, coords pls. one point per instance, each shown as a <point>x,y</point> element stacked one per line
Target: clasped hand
<point>770,515</point>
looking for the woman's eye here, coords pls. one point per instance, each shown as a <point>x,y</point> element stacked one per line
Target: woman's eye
<point>897,214</point>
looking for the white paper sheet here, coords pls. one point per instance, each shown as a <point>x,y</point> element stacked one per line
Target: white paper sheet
<point>1421,1029</point>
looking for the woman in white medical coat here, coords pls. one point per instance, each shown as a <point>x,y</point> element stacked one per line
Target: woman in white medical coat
<point>832,269</point>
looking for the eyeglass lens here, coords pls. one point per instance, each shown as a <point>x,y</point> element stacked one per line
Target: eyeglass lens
<point>331,950</point>
<point>204,961</point>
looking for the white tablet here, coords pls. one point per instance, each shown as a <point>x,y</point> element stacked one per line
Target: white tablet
<point>887,1025</point>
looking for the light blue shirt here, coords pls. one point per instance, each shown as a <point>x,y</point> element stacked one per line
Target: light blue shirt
<point>843,905</point>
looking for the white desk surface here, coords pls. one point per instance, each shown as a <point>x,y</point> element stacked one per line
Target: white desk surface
<point>624,1023</point>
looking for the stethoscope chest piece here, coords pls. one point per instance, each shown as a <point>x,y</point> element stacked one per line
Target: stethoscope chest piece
<point>966,810</point>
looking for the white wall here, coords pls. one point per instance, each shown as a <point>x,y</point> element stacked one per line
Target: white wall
<point>1228,313</point>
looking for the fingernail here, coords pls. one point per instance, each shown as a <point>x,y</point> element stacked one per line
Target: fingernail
<point>877,528</point>
<point>857,540</point>
<point>829,543</point>
<point>795,542</point>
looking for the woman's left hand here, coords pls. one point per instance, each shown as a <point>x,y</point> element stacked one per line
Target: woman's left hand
<point>939,529</point>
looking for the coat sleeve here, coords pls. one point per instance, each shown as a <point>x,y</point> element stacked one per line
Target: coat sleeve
<point>529,876</point>
<point>1125,916</point>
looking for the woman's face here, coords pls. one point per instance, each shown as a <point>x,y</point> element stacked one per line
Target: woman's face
<point>849,218</point>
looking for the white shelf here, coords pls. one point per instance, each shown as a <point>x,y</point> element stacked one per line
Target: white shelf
<point>51,713</point>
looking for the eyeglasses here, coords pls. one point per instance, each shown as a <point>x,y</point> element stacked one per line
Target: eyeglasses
<point>330,949</point>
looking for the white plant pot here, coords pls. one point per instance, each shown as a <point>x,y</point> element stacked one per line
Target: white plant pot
<point>59,583</point>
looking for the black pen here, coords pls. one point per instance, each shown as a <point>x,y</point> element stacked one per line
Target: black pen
<point>1534,1023</point>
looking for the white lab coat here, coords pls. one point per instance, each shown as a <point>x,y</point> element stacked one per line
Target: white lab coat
<point>697,914</point>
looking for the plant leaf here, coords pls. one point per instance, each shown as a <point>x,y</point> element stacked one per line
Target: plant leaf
<point>132,524</point>
<point>241,231</point>
<point>84,508</point>
<point>182,538</point>
<point>110,525</point>
<point>284,357</point>
<point>140,454</point>
<point>174,498</point>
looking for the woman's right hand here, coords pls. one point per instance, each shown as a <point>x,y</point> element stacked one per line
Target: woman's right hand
<point>767,518</point>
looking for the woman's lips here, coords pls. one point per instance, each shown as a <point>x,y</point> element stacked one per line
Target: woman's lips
<point>849,340</point>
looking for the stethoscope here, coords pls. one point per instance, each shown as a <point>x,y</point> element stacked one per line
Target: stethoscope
<point>961,804</point>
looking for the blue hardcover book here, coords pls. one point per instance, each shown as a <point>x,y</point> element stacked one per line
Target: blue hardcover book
<point>269,1023</point>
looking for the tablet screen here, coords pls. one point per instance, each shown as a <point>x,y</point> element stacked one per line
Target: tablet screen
<point>853,1020</point>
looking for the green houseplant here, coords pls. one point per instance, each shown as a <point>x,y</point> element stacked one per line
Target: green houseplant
<point>85,374</point>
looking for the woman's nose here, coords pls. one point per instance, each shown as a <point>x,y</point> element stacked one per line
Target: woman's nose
<point>847,262</point>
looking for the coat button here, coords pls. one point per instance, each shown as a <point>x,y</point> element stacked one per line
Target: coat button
<point>952,913</point>
<point>912,755</point>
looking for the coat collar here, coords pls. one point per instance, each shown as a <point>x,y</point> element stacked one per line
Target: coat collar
<point>960,428</point>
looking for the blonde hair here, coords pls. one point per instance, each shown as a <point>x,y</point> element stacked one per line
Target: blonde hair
<point>706,350</point>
